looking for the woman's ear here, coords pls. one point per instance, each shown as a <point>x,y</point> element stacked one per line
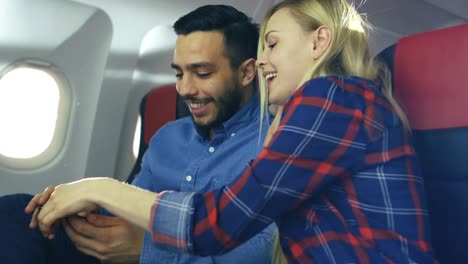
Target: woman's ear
<point>247,72</point>
<point>322,37</point>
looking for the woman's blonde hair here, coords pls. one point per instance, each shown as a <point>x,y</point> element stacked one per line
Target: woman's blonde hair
<point>348,53</point>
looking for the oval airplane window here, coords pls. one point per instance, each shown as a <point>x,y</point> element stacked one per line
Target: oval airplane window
<point>30,103</point>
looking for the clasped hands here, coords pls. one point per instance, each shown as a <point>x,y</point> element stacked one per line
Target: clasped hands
<point>56,203</point>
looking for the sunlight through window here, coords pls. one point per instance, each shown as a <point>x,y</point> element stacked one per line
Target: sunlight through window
<point>136,138</point>
<point>29,101</point>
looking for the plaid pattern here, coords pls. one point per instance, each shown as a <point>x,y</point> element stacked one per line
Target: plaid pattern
<point>339,178</point>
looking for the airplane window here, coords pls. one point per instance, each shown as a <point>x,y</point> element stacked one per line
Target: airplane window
<point>136,138</point>
<point>29,104</point>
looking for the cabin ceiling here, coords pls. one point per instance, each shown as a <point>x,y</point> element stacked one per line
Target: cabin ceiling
<point>454,7</point>
<point>133,19</point>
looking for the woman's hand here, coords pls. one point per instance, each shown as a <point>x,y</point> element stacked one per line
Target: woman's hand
<point>64,200</point>
<point>36,203</point>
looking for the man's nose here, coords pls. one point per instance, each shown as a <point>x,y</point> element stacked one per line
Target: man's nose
<point>186,86</point>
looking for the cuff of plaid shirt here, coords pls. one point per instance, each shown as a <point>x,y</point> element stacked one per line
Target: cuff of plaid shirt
<point>170,220</point>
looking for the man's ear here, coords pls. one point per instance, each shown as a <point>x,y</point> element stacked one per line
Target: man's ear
<point>247,72</point>
<point>322,38</point>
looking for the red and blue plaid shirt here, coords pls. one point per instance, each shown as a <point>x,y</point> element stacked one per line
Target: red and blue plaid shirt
<point>339,179</point>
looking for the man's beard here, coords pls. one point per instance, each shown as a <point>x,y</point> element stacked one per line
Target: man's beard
<point>228,105</point>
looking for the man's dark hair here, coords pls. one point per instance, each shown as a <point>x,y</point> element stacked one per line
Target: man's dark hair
<point>240,33</point>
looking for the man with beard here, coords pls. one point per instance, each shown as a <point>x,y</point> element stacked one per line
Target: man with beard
<point>214,63</point>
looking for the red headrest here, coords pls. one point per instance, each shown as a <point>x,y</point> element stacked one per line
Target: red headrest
<point>160,108</point>
<point>431,78</point>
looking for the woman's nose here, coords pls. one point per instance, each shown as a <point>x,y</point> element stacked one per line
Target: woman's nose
<point>261,61</point>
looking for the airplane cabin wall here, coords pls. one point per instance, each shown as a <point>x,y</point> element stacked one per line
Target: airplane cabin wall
<point>75,39</point>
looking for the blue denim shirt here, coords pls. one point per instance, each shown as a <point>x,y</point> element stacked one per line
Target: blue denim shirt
<point>181,158</point>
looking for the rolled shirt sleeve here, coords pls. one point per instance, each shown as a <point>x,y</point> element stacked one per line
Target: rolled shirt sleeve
<point>171,217</point>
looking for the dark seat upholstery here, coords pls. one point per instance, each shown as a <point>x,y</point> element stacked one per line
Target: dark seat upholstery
<point>430,77</point>
<point>158,106</point>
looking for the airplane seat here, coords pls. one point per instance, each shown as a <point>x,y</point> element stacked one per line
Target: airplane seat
<point>159,106</point>
<point>430,81</point>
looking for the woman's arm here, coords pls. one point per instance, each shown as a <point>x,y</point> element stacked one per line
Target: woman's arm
<point>127,201</point>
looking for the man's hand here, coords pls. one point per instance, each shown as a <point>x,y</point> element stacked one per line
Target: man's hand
<point>36,204</point>
<point>110,239</point>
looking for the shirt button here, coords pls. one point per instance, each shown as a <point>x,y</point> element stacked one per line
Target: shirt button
<point>233,134</point>
<point>188,178</point>
<point>211,149</point>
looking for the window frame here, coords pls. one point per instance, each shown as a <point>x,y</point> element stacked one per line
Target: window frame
<point>64,110</point>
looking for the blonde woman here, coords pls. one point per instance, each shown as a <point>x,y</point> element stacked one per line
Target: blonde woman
<point>338,175</point>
